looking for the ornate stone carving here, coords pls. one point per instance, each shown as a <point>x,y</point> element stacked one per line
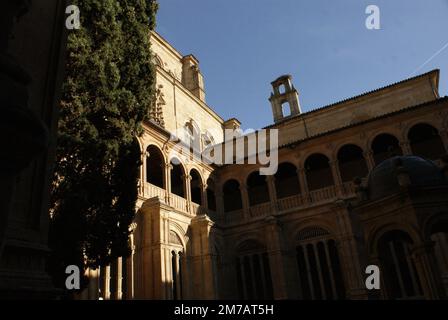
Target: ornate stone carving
<point>174,238</point>
<point>156,113</point>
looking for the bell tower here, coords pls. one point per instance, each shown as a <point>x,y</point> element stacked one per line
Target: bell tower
<point>284,99</point>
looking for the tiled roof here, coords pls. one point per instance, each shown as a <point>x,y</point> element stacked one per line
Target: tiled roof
<point>444,99</point>
<point>437,71</point>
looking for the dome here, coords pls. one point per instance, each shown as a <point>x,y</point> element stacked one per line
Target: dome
<point>383,179</point>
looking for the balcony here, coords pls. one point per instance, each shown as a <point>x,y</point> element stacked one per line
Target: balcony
<point>315,197</point>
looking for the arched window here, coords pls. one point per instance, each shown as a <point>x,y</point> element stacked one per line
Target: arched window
<point>425,142</point>
<point>196,187</point>
<point>177,178</point>
<point>211,198</point>
<point>320,272</point>
<point>257,189</point>
<point>400,275</point>
<point>157,61</point>
<point>155,166</point>
<point>286,109</point>
<point>318,172</point>
<point>385,146</point>
<point>253,272</point>
<point>286,180</point>
<point>351,163</point>
<point>178,264</point>
<point>232,196</point>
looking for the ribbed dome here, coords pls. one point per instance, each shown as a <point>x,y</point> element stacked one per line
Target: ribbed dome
<point>383,179</point>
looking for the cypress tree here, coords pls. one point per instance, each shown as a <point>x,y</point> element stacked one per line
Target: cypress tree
<point>106,95</point>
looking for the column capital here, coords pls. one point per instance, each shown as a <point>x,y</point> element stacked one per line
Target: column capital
<point>333,163</point>
<point>169,166</point>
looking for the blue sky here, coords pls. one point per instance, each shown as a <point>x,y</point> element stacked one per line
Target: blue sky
<point>243,45</point>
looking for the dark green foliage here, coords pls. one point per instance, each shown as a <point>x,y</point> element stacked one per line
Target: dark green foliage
<point>107,93</point>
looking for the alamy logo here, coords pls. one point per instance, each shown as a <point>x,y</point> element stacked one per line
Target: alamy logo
<point>239,147</point>
<point>373,20</point>
<point>373,280</point>
<point>73,281</point>
<point>73,20</point>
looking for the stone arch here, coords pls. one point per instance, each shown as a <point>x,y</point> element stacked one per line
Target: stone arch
<point>253,273</point>
<point>318,171</point>
<point>177,176</point>
<point>179,232</point>
<point>425,141</point>
<point>196,184</point>
<point>375,234</point>
<point>401,277</point>
<point>435,221</point>
<point>386,131</point>
<point>155,166</point>
<point>341,144</point>
<point>158,61</point>
<point>312,152</point>
<point>351,162</point>
<point>141,143</point>
<point>287,180</point>
<point>383,146</point>
<point>232,195</point>
<point>247,243</point>
<point>311,233</point>
<point>414,122</point>
<point>319,264</point>
<point>324,224</point>
<point>257,188</point>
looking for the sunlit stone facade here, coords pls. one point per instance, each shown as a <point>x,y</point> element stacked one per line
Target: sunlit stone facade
<point>348,193</point>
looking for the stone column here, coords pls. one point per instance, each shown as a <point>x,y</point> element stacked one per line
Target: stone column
<point>144,154</point>
<point>272,193</point>
<point>280,283</point>
<point>351,254</point>
<point>203,257</point>
<point>245,200</point>
<point>406,147</point>
<point>168,168</point>
<point>187,185</point>
<point>107,282</point>
<point>303,184</point>
<point>130,269</point>
<point>119,293</point>
<point>204,196</point>
<point>368,156</point>
<point>431,282</point>
<point>153,270</point>
<point>337,177</point>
